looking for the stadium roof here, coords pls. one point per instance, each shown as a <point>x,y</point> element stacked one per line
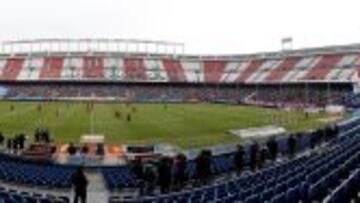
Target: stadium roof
<point>149,48</point>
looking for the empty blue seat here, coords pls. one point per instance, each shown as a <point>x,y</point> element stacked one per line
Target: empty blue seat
<point>253,199</point>
<point>280,198</point>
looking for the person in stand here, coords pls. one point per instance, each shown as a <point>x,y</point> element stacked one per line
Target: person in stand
<point>313,139</point>
<point>71,149</point>
<point>261,158</point>
<point>335,131</point>
<point>15,145</point>
<point>138,171</point>
<point>150,177</point>
<point>253,154</point>
<point>45,135</point>
<point>321,136</point>
<point>37,135</point>
<point>9,144</point>
<point>164,171</point>
<point>203,167</point>
<point>85,150</point>
<point>2,138</point>
<point>80,183</point>
<point>292,145</point>
<point>21,141</point>
<point>239,159</point>
<point>180,171</point>
<point>272,146</point>
<point>332,132</point>
<point>100,149</point>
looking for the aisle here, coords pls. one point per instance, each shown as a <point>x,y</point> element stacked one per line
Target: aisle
<point>97,192</point>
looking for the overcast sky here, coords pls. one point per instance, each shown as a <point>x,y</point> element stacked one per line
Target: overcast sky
<point>205,26</point>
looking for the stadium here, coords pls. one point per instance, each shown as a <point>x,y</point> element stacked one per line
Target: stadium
<point>179,101</point>
<point>113,106</point>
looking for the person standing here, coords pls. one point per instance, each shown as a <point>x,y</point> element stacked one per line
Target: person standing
<point>261,158</point>
<point>180,171</point>
<point>150,177</point>
<point>2,138</point>
<point>292,145</point>
<point>80,183</point>
<point>253,155</point>
<point>164,171</point>
<point>203,167</point>
<point>239,159</point>
<point>9,144</point>
<point>272,146</point>
<point>21,141</point>
<point>138,171</point>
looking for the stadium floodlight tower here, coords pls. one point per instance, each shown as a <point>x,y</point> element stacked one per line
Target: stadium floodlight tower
<point>286,44</point>
<point>89,45</point>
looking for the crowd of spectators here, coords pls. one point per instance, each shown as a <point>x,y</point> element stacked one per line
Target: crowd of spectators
<point>300,94</point>
<point>167,173</point>
<point>170,174</point>
<point>303,94</point>
<point>16,143</point>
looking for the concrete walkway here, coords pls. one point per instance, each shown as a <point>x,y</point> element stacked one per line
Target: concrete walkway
<point>97,192</point>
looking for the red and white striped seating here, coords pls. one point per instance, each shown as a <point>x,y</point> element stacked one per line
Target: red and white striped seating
<point>339,67</point>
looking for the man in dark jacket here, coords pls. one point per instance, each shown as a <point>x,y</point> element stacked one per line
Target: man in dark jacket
<point>71,149</point>
<point>150,177</point>
<point>253,155</point>
<point>138,171</point>
<point>180,171</point>
<point>164,171</point>
<point>9,144</point>
<point>239,159</point>
<point>203,167</point>
<point>262,155</point>
<point>21,139</point>
<point>272,146</point>
<point>292,145</point>
<point>2,138</point>
<point>80,183</point>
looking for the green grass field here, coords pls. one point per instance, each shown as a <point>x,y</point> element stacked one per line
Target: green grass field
<point>185,125</point>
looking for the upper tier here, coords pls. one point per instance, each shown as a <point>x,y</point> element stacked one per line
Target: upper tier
<point>336,64</point>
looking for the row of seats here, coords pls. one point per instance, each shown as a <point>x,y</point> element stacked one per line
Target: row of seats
<point>338,67</point>
<point>304,179</point>
<point>14,196</point>
<point>347,189</point>
<point>31,173</point>
<point>118,177</point>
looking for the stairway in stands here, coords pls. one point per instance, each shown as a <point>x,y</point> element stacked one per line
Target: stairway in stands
<point>97,192</point>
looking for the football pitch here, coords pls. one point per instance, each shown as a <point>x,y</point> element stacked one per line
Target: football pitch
<point>184,125</point>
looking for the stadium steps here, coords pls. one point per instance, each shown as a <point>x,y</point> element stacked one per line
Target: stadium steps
<point>97,192</point>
